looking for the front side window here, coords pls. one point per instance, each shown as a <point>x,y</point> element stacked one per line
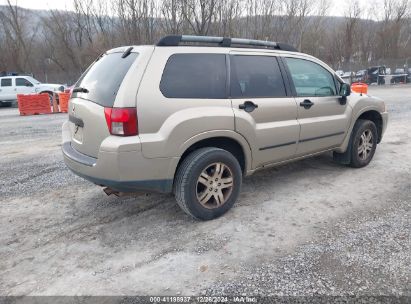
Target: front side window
<point>6,82</point>
<point>22,82</point>
<point>256,77</point>
<point>338,85</point>
<point>195,76</point>
<point>311,79</point>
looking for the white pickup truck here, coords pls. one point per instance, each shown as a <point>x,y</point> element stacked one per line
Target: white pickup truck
<point>10,86</point>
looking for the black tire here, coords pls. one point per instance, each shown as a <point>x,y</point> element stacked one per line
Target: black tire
<point>7,104</point>
<point>186,182</point>
<point>50,97</point>
<point>361,127</point>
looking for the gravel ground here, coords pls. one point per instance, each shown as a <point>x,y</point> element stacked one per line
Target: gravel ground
<point>307,228</point>
<point>356,256</point>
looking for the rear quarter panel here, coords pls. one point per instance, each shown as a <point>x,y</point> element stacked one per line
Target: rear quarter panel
<point>126,95</point>
<point>167,125</point>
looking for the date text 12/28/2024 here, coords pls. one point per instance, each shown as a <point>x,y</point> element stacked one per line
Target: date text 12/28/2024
<point>203,299</point>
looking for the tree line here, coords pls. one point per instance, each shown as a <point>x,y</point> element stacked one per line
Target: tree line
<point>59,45</point>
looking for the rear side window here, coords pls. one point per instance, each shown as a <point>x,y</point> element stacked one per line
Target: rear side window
<point>256,76</point>
<point>311,79</point>
<point>6,82</point>
<point>195,76</point>
<point>104,77</point>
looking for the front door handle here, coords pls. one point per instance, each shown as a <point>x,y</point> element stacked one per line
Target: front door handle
<point>306,104</point>
<point>248,106</point>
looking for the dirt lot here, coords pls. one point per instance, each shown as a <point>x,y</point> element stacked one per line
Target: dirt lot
<point>304,228</point>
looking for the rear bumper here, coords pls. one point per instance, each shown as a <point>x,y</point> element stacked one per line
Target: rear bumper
<point>74,155</point>
<point>124,171</point>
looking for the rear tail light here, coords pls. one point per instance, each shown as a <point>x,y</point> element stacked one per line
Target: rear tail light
<point>121,121</point>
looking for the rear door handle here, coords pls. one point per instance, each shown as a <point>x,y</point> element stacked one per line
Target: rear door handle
<point>306,104</point>
<point>248,106</point>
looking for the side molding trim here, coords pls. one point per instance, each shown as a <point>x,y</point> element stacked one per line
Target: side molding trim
<point>323,136</point>
<point>278,146</point>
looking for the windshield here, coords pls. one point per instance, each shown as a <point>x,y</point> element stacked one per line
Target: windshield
<point>32,80</point>
<point>103,78</point>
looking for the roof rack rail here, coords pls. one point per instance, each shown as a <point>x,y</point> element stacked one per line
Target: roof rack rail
<point>175,40</point>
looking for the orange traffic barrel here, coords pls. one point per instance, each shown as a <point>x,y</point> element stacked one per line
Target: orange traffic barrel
<point>33,104</point>
<point>64,99</point>
<point>359,87</point>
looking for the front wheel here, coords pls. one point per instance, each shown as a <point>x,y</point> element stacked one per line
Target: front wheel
<point>363,143</point>
<point>208,183</point>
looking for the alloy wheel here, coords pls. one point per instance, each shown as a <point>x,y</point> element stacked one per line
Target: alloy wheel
<point>214,185</point>
<point>366,144</point>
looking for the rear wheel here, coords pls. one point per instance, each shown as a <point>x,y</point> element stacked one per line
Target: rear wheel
<point>207,183</point>
<point>50,97</point>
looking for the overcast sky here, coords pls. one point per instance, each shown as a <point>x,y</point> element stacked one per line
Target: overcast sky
<point>42,4</point>
<point>337,7</point>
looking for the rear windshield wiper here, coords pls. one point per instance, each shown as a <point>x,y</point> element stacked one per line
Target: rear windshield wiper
<point>80,90</point>
<point>99,57</point>
<point>127,52</point>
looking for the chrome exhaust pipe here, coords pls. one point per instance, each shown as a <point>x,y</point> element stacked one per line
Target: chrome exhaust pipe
<point>108,191</point>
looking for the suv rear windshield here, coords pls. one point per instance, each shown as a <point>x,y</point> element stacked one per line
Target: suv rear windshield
<point>104,77</point>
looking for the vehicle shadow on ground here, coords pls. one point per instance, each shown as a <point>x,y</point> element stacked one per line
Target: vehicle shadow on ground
<point>264,180</point>
<point>82,211</point>
<point>157,216</point>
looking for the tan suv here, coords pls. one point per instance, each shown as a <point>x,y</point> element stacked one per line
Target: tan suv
<point>193,115</point>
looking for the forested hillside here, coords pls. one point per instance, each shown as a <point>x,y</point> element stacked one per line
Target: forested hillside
<point>61,44</point>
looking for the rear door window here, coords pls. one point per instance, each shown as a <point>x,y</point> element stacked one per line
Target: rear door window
<point>195,76</point>
<point>6,82</point>
<point>104,77</point>
<point>256,77</point>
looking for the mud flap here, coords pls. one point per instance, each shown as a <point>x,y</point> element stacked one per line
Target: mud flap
<point>344,158</point>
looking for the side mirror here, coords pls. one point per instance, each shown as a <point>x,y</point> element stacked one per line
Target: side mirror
<point>345,90</point>
<point>28,84</point>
